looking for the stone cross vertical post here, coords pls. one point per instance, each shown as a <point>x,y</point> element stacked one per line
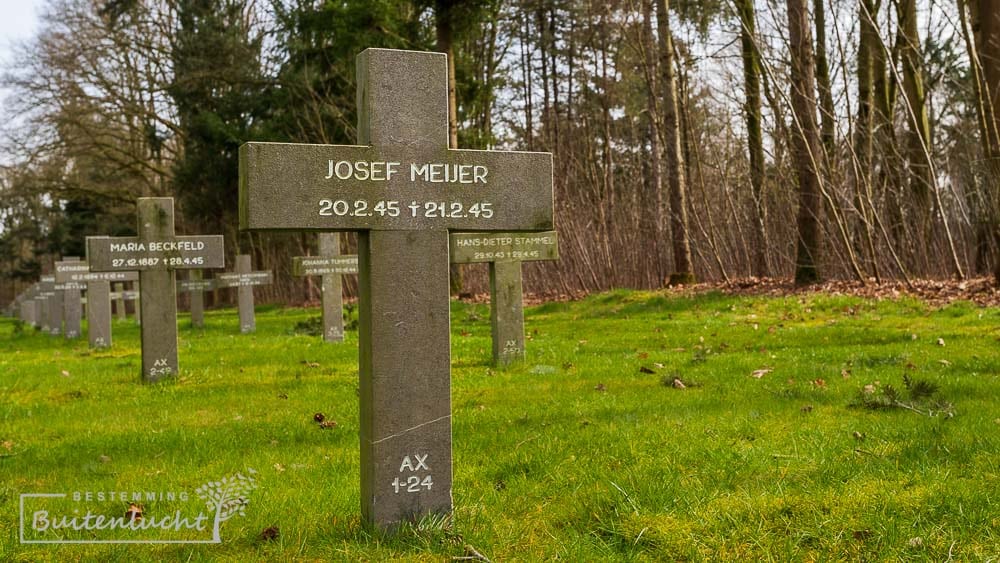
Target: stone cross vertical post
<point>504,252</point>
<point>72,306</point>
<point>333,292</point>
<point>41,320</point>
<point>156,253</point>
<point>54,302</point>
<point>248,321</point>
<point>330,264</point>
<point>157,294</point>
<point>197,302</point>
<point>196,285</point>
<point>120,301</point>
<point>403,189</point>
<point>137,285</point>
<point>99,314</point>
<point>244,280</point>
<point>28,312</point>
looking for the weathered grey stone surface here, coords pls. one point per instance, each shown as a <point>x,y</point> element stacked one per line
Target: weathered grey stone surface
<point>505,252</point>
<point>119,298</point>
<point>244,280</point>
<point>55,305</point>
<point>248,321</point>
<point>99,314</point>
<point>339,264</point>
<point>405,375</point>
<point>72,305</point>
<point>156,253</point>
<point>138,303</point>
<point>467,248</point>
<point>109,254</point>
<point>249,279</point>
<point>79,271</point>
<point>40,314</point>
<point>404,332</point>
<point>333,287</point>
<point>157,297</point>
<point>28,312</point>
<point>196,286</point>
<point>98,299</point>
<point>506,312</point>
<point>331,265</point>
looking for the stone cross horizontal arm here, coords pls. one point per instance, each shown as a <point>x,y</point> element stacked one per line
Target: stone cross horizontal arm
<point>196,285</point>
<point>325,265</point>
<point>236,279</point>
<point>107,254</point>
<point>306,187</point>
<point>79,272</point>
<point>469,248</point>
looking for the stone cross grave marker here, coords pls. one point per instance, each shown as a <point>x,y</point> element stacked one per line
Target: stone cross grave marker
<point>72,301</point>
<point>196,286</point>
<point>39,313</point>
<point>29,306</point>
<point>28,311</point>
<point>156,253</point>
<point>504,252</point>
<point>98,285</point>
<point>52,306</point>
<point>244,280</point>
<point>330,264</point>
<point>119,301</point>
<point>402,189</point>
<point>136,295</point>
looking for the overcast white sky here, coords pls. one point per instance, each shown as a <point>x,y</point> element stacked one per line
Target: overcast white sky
<point>17,22</point>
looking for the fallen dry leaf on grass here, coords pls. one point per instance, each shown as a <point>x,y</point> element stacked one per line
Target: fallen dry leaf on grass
<point>759,373</point>
<point>270,533</point>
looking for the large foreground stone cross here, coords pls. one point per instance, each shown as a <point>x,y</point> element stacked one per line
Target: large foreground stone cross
<point>156,253</point>
<point>244,280</point>
<point>330,264</point>
<point>98,296</point>
<point>402,190</point>
<point>504,252</point>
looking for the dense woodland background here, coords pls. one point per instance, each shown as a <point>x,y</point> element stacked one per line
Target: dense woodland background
<point>707,140</point>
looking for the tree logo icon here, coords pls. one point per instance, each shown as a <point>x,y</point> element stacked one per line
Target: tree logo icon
<point>227,497</point>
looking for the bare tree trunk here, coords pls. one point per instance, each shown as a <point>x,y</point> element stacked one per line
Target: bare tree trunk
<point>988,40</point>
<point>826,111</point>
<point>755,138</point>
<point>526,72</point>
<point>654,212</point>
<point>805,142</point>
<point>867,43</point>
<point>919,132</point>
<point>683,273</point>
<point>443,13</point>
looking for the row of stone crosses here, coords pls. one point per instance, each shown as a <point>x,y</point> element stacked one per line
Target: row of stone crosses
<point>416,205</point>
<point>57,303</point>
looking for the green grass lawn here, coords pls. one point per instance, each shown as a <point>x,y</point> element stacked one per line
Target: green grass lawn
<point>578,454</point>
